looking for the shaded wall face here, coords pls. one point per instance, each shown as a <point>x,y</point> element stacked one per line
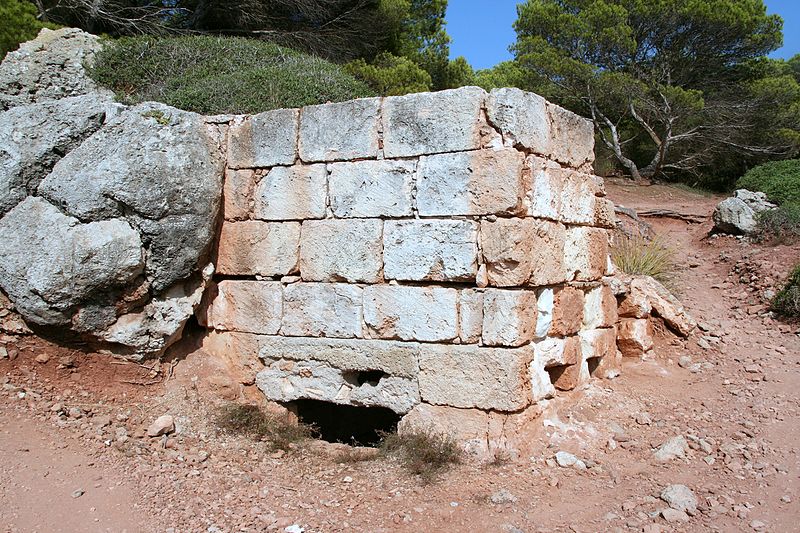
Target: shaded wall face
<point>425,252</point>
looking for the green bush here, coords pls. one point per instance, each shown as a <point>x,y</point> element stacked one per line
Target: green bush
<point>213,75</point>
<point>780,180</point>
<point>389,75</point>
<point>19,24</point>
<point>781,225</point>
<point>423,452</point>
<point>787,301</point>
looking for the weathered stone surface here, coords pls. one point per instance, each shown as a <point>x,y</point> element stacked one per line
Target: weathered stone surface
<point>428,314</point>
<point>340,132</point>
<point>483,378</point>
<point>757,201</point>
<point>540,382</point>
<point>284,380</point>
<point>509,317</point>
<point>34,137</point>
<point>600,308</point>
<point>392,357</point>
<point>48,68</point>
<point>322,310</point>
<point>246,306</point>
<point>292,193</point>
<point>604,213</point>
<point>470,316</point>
<point>484,182</point>
<point>264,140</point>
<point>733,215</point>
<point>238,191</point>
<point>545,304</point>
<point>157,167</point>
<point>596,343</point>
<point>548,249</point>
<point>255,248</point>
<point>544,198</point>
<point>521,117</point>
<point>586,253</point>
<point>634,336</point>
<point>371,188</point>
<point>469,427</point>
<point>573,137</point>
<point>567,311</point>
<point>51,262</point>
<point>342,250</point>
<point>663,304</point>
<point>432,123</point>
<point>555,351</point>
<point>507,245</point>
<point>578,200</point>
<point>434,250</point>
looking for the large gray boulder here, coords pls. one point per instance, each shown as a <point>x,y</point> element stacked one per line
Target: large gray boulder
<point>737,215</point>
<point>34,137</point>
<point>50,67</point>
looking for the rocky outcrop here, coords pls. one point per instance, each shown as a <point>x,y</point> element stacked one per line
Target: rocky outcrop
<point>737,215</point>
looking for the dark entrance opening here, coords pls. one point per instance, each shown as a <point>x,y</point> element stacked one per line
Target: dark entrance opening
<point>357,426</point>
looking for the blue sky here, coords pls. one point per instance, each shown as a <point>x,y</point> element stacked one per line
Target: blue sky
<point>481,29</point>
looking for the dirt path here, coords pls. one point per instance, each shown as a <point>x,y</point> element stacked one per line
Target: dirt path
<point>740,412</point>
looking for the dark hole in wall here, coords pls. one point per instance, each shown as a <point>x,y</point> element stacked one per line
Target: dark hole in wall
<point>357,426</point>
<point>359,377</point>
<point>593,363</point>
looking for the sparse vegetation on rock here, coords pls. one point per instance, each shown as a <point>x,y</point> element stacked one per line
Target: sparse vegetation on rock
<point>787,301</point>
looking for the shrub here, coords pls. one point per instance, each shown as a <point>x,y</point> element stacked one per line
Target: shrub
<point>779,225</point>
<point>641,256</point>
<point>779,180</point>
<point>423,452</point>
<point>19,24</point>
<point>390,75</point>
<point>250,420</point>
<point>220,74</point>
<point>787,302</point>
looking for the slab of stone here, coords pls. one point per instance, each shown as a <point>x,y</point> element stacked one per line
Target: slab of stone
<point>544,198</point>
<point>557,351</point>
<point>246,306</point>
<point>483,182</point>
<point>548,254</point>
<point>430,250</point>
<point>237,192</point>
<point>578,200</point>
<point>585,253</point>
<point>634,336</point>
<point>264,140</point>
<point>427,314</point>
<point>432,123</point>
<point>284,380</point>
<point>256,248</point>
<point>292,193</point>
<point>567,312</point>
<point>322,310</point>
<point>598,343</point>
<point>542,387</point>
<point>341,131</point>
<point>472,377</point>
<point>470,316</point>
<point>600,308</point>
<point>604,214</point>
<point>372,188</point>
<point>521,117</point>
<point>342,250</point>
<point>509,317</point>
<point>545,304</point>
<point>573,137</point>
<point>507,246</point>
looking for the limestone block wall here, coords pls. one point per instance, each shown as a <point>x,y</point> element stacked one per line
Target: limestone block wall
<point>437,254</point>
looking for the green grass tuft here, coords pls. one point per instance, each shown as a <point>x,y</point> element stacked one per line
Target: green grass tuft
<point>787,302</point>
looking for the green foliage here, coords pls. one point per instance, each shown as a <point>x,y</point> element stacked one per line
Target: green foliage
<point>251,421</point>
<point>787,301</point>
<point>390,75</point>
<point>505,74</point>
<point>779,180</point>
<point>423,452</point>
<point>781,225</point>
<point>220,74</point>
<point>19,24</point>
<point>459,73</point>
<point>640,256</point>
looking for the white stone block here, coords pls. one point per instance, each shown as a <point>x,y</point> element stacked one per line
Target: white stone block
<point>585,253</point>
<point>544,199</point>
<point>509,317</point>
<point>264,140</point>
<point>342,250</point>
<point>573,137</point>
<point>432,250</point>
<point>341,131</point>
<point>428,314</point>
<point>246,306</point>
<point>322,310</point>
<point>255,248</point>
<point>521,117</point>
<point>470,316</point>
<point>548,265</point>
<point>578,200</point>
<point>372,188</point>
<point>292,193</point>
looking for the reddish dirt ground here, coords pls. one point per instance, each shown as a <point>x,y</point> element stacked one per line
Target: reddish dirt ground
<point>94,470</point>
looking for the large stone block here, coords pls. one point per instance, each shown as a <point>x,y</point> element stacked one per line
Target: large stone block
<point>428,314</point>
<point>292,193</point>
<point>567,311</point>
<point>544,198</point>
<point>509,317</point>
<point>255,248</point>
<point>586,253</point>
<point>578,200</point>
<point>322,310</point>
<point>604,213</point>
<point>521,117</point>
<point>432,123</point>
<point>432,250</point>
<point>634,336</point>
<point>483,182</point>
<point>548,260</point>
<point>372,188</point>
<point>342,250</point>
<point>470,316</point>
<point>600,308</point>
<point>555,351</point>
<point>507,246</point>
<point>340,132</point>
<point>238,193</point>
<point>573,137</point>
<point>264,140</point>
<point>246,306</point>
<point>471,377</point>
<point>285,380</point>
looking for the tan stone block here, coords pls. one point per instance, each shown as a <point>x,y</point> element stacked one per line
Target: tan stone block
<point>246,306</point>
<point>578,197</point>
<point>544,199</point>
<point>255,248</point>
<point>264,140</point>
<point>342,250</point>
<point>507,245</point>
<point>573,137</point>
<point>469,427</point>
<point>567,312</point>
<point>634,336</point>
<point>238,194</point>
<point>586,253</point>
<point>428,314</point>
<point>509,317</point>
<point>298,192</point>
<point>604,215</point>
<point>600,308</point>
<point>322,310</point>
<point>598,343</point>
<point>556,351</point>
<point>548,250</point>
<point>470,316</point>
<point>566,377</point>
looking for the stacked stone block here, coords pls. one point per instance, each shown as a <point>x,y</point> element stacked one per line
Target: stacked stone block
<point>452,243</point>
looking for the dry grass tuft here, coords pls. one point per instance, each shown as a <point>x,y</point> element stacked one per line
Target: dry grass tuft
<point>423,452</point>
<point>643,257</point>
<point>250,420</point>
